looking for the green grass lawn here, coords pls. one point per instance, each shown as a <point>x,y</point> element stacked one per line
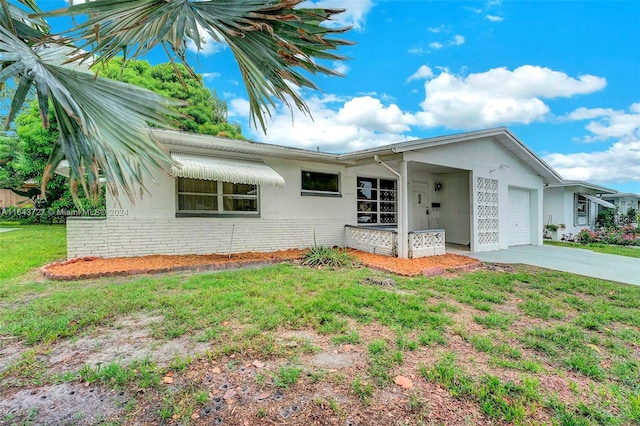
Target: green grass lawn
<point>600,248</point>
<point>491,339</point>
<point>29,247</point>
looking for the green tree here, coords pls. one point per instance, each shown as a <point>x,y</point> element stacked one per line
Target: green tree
<point>203,112</point>
<point>103,124</point>
<point>25,157</point>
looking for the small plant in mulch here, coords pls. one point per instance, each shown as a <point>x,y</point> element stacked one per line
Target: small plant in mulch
<point>334,258</point>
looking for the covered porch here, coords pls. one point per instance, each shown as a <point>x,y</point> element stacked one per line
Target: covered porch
<point>429,206</point>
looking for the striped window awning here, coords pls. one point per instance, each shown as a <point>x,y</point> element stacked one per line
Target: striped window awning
<point>597,200</point>
<point>224,169</point>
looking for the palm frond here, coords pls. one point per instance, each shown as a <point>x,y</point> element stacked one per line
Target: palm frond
<point>273,42</point>
<point>103,124</point>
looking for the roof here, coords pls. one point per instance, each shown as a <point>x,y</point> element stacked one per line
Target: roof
<point>500,135</point>
<point>599,189</point>
<point>236,146</point>
<point>623,194</point>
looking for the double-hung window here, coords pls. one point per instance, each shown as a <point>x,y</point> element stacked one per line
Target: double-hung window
<point>377,201</point>
<point>199,196</point>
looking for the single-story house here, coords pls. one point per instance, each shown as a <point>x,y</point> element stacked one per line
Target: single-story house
<point>482,190</point>
<point>8,198</point>
<point>573,205</point>
<point>624,201</point>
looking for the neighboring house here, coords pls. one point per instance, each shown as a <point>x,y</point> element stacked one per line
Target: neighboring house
<point>8,198</point>
<point>482,189</point>
<point>574,204</point>
<point>624,201</point>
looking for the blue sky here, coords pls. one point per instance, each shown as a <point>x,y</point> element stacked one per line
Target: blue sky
<point>564,76</point>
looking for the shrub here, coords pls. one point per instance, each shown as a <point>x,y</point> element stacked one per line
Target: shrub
<point>586,236</point>
<point>319,256</point>
<point>606,219</point>
<point>631,216</point>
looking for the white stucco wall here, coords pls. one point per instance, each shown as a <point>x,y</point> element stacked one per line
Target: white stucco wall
<point>554,206</point>
<point>287,219</point>
<point>559,203</point>
<point>484,158</point>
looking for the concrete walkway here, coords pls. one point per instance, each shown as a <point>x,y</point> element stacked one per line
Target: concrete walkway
<point>577,261</point>
<point>8,229</point>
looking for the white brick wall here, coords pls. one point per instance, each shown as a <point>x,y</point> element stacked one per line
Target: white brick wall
<point>116,237</point>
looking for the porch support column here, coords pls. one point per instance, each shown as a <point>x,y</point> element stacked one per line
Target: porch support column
<point>403,212</point>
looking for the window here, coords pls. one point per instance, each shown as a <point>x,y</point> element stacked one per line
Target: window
<point>320,183</point>
<point>581,213</point>
<point>216,197</point>
<point>377,201</point>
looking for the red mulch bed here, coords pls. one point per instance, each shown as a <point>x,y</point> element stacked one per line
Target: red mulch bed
<point>431,265</point>
<point>94,267</point>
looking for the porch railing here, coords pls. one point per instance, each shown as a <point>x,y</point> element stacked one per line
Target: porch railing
<point>384,241</point>
<point>429,242</point>
<point>371,240</point>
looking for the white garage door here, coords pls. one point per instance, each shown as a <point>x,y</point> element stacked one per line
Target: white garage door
<point>519,217</point>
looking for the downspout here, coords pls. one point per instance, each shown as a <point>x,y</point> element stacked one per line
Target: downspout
<point>403,217</point>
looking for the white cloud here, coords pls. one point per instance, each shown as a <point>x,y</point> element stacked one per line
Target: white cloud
<point>417,51</point>
<point>438,29</point>
<point>210,75</point>
<point>369,114</point>
<point>209,44</point>
<point>609,123</point>
<point>238,107</point>
<point>495,18</point>
<point>498,96</point>
<point>338,125</point>
<point>457,40</point>
<point>620,162</point>
<point>341,67</point>
<point>355,14</point>
<point>423,73</point>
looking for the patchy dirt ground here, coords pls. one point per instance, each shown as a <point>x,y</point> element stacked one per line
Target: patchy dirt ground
<point>224,382</point>
<point>94,267</point>
<point>237,389</point>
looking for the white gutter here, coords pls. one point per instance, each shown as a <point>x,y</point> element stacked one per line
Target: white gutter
<point>403,214</point>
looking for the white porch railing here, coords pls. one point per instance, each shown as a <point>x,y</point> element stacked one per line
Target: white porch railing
<point>384,241</point>
<point>426,243</point>
<point>372,240</point>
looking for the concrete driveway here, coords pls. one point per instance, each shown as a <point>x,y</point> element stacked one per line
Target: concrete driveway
<point>577,261</point>
<point>8,229</point>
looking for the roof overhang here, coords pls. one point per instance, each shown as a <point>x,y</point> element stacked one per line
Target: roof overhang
<point>235,147</point>
<point>597,200</point>
<point>224,169</point>
<point>501,135</point>
<point>586,185</point>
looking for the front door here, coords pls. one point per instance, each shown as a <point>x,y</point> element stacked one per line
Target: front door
<point>420,206</point>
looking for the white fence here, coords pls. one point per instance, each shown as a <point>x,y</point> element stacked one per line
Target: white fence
<point>385,241</point>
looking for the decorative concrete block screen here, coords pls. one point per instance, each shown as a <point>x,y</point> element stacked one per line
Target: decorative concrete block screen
<point>426,243</point>
<point>372,240</point>
<point>487,194</point>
